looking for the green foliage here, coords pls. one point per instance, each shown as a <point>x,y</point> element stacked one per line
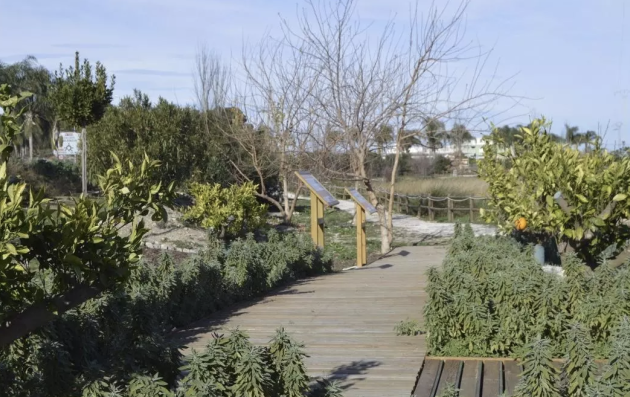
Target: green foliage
<point>123,331</point>
<point>539,377</point>
<point>287,357</point>
<point>327,388</point>
<point>408,327</point>
<point>48,252</point>
<point>492,299</point>
<point>595,192</point>
<point>449,391</point>
<point>81,96</point>
<point>616,376</point>
<point>579,367</point>
<point>175,135</point>
<point>232,367</point>
<point>231,211</point>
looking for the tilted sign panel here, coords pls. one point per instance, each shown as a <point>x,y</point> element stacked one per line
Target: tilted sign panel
<point>358,197</point>
<point>318,188</point>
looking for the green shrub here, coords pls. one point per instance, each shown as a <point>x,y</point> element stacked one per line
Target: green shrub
<point>408,328</point>
<point>491,299</point>
<point>98,346</point>
<point>58,178</point>
<point>577,377</point>
<point>579,199</point>
<point>231,211</point>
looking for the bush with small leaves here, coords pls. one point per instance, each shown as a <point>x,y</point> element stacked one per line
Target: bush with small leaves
<point>539,377</point>
<point>124,331</point>
<point>229,212</point>
<point>491,299</point>
<point>327,388</point>
<point>408,328</point>
<point>579,367</point>
<point>449,391</point>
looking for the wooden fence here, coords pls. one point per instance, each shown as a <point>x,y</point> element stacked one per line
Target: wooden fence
<point>426,206</point>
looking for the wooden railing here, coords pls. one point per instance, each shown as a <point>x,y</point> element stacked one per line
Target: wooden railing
<point>426,206</point>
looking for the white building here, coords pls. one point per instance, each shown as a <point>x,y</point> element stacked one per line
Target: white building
<point>470,149</point>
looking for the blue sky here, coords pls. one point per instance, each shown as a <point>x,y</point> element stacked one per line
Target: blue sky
<point>571,58</point>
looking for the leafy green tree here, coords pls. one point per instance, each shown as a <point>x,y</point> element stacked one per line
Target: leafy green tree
<point>37,113</point>
<point>81,98</point>
<point>577,199</point>
<point>54,259</point>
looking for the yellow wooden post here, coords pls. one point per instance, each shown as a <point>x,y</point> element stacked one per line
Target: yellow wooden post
<point>314,223</point>
<point>361,238</point>
<point>320,223</point>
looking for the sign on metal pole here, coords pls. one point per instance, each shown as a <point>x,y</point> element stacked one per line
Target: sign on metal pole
<point>362,206</point>
<point>319,197</point>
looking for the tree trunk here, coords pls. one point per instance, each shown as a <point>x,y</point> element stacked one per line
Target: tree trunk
<point>289,214</point>
<point>41,314</point>
<point>392,192</point>
<point>30,147</point>
<point>285,195</point>
<point>382,212</point>
<point>83,161</point>
<point>29,133</point>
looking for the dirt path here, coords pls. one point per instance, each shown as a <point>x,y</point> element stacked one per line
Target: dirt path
<point>418,229</point>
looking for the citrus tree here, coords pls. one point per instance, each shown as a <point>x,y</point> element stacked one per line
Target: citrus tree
<point>81,97</point>
<point>579,199</point>
<point>53,256</point>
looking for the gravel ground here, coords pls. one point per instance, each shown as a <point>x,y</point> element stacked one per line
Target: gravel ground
<point>417,228</point>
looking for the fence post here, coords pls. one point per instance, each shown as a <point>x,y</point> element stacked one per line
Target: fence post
<point>430,208</point>
<point>472,206</point>
<point>406,205</point>
<point>420,208</point>
<point>450,208</point>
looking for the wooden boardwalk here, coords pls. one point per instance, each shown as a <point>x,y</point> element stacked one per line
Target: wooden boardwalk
<point>346,320</point>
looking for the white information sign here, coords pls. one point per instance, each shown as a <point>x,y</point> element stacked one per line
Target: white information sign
<point>68,144</point>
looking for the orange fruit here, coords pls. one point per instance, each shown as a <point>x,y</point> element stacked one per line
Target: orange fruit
<point>521,223</point>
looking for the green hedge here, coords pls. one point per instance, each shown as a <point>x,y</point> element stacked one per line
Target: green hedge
<point>491,299</point>
<point>122,334</point>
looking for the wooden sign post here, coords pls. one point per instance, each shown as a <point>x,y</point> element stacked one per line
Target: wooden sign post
<point>362,206</point>
<point>319,197</point>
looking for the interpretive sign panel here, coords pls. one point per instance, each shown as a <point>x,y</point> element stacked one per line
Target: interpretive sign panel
<point>69,144</point>
<point>317,188</point>
<point>362,201</point>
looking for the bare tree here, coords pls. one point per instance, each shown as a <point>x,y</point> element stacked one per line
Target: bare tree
<point>211,78</point>
<point>278,84</point>
<point>365,85</point>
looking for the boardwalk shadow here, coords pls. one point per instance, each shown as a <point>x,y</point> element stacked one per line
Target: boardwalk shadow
<point>216,321</point>
<point>355,369</point>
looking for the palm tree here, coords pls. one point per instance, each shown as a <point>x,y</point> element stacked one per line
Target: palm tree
<point>384,137</point>
<point>434,132</point>
<point>587,139</point>
<point>28,75</point>
<point>571,135</point>
<point>458,135</point>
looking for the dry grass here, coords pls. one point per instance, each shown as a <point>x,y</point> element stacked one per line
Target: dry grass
<point>440,187</point>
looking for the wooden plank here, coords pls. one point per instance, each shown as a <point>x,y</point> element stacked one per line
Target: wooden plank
<point>450,375</point>
<point>345,320</point>
<point>491,383</point>
<point>429,378</point>
<point>511,374</point>
<point>470,378</point>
